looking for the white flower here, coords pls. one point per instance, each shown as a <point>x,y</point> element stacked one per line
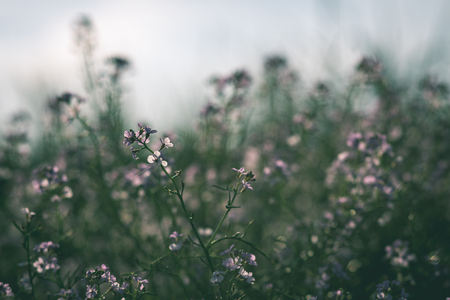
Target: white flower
<point>217,278</point>
<point>67,192</point>
<point>27,212</point>
<point>155,157</point>
<point>247,276</point>
<point>166,143</point>
<point>176,246</point>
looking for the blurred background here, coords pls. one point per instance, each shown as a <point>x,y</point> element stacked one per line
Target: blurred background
<point>340,108</point>
<point>175,46</point>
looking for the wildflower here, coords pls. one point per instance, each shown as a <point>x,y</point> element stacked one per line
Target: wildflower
<point>108,277</point>
<point>247,276</point>
<point>99,274</point>
<point>147,129</point>
<point>217,278</point>
<point>55,198</point>
<point>156,157</point>
<point>165,144</point>
<point>67,192</point>
<point>143,139</point>
<point>27,212</point>
<point>115,286</point>
<point>231,263</point>
<point>227,251</point>
<point>401,250</point>
<point>240,172</point>
<point>140,282</point>
<point>178,244</point>
<point>45,247</point>
<point>205,231</point>
<point>246,186</point>
<point>91,291</point>
<point>43,265</point>
<point>353,139</point>
<point>68,294</point>
<point>129,137</point>
<point>5,290</point>
<point>249,258</point>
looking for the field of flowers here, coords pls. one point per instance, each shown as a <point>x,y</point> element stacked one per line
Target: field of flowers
<point>278,191</point>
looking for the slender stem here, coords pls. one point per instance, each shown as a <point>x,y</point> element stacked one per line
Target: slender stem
<point>217,228</point>
<point>230,203</point>
<point>180,197</point>
<point>27,248</point>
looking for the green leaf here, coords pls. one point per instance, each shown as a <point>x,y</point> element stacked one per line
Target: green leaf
<point>248,227</point>
<point>220,188</point>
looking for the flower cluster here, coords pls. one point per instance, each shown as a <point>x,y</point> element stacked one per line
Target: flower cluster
<point>5,290</point>
<point>44,264</point>
<point>49,260</point>
<point>366,169</point>
<point>399,254</point>
<point>389,289</point>
<point>67,105</point>
<point>240,79</point>
<point>236,260</point>
<point>324,273</point>
<point>139,282</point>
<point>141,137</point>
<point>45,247</point>
<point>101,274</point>
<point>70,294</point>
<point>27,212</point>
<point>49,179</point>
<point>248,177</point>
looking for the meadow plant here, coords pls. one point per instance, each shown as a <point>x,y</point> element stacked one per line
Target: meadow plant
<point>340,203</point>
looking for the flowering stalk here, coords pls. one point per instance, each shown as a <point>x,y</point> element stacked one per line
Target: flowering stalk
<point>190,218</point>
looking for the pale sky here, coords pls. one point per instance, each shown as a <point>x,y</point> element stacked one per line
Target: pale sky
<point>175,46</point>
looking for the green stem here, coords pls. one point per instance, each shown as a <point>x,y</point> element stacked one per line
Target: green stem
<point>208,245</point>
<point>27,248</point>
<point>180,197</point>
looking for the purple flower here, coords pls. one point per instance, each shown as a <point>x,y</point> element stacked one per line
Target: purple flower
<point>45,247</point>
<point>68,294</point>
<point>5,290</point>
<point>140,282</point>
<point>249,258</point>
<point>91,291</point>
<point>247,276</point>
<point>227,251</point>
<point>108,277</point>
<point>115,286</point>
<point>246,186</point>
<point>353,140</point>
<point>231,263</point>
<point>240,172</point>
<point>43,265</point>
<point>178,244</point>
<point>129,137</point>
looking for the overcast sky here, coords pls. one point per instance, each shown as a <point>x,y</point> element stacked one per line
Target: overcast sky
<point>175,46</point>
